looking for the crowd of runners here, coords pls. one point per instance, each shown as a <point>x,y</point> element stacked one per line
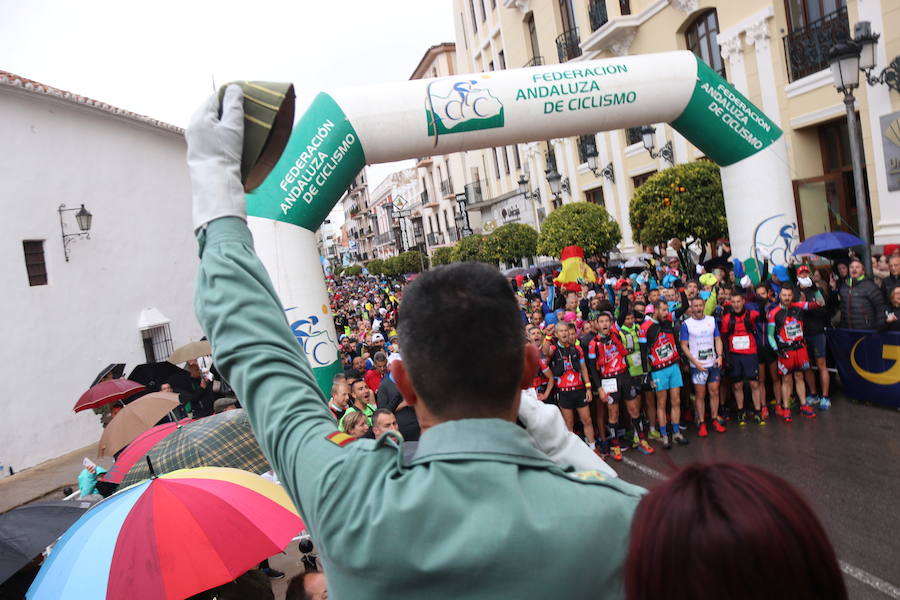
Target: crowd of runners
<point>638,357</point>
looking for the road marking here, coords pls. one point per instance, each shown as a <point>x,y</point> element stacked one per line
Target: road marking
<point>855,572</point>
<point>870,580</point>
<point>643,468</point>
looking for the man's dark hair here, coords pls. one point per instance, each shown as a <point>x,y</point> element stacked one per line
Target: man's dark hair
<point>380,411</point>
<point>296,589</point>
<point>462,340</point>
<point>380,357</point>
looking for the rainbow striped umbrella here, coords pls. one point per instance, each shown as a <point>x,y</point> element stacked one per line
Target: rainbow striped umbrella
<point>170,537</point>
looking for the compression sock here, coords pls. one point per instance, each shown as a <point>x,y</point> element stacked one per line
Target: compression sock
<point>675,428</point>
<point>663,431</point>
<point>638,426</point>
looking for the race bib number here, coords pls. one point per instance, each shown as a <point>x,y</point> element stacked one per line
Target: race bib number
<point>740,342</point>
<point>705,354</point>
<point>793,330</point>
<point>634,359</point>
<point>665,351</point>
<point>610,386</point>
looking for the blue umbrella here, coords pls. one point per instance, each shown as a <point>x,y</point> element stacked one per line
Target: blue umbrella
<point>830,240</point>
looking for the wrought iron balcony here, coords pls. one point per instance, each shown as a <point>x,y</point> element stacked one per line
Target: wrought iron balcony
<point>435,239</point>
<point>446,188</point>
<point>568,45</point>
<point>474,192</point>
<point>424,197</point>
<point>452,235</point>
<point>806,49</point>
<point>597,14</point>
<point>535,61</point>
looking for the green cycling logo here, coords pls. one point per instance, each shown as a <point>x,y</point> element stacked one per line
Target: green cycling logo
<point>458,105</point>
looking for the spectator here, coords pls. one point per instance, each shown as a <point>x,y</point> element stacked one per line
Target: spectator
<point>892,320</point>
<point>307,586</point>
<point>862,302</point>
<point>383,420</point>
<point>224,404</point>
<point>374,375</point>
<point>340,398</point>
<point>390,398</point>
<point>893,279</point>
<point>751,536</point>
<point>355,424</point>
<point>359,393</point>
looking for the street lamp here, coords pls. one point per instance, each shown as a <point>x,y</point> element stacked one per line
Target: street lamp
<point>593,161</point>
<point>83,218</point>
<point>844,60</point>
<point>868,42</point>
<point>523,188</point>
<point>648,135</point>
<point>557,182</point>
<point>462,218</point>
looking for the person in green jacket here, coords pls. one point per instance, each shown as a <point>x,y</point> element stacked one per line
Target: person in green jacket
<point>484,504</point>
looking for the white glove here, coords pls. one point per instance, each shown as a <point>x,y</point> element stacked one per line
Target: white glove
<point>700,270</point>
<point>746,281</point>
<point>214,158</point>
<point>548,433</point>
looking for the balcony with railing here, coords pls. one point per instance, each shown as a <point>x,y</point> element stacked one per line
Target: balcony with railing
<point>474,192</point>
<point>452,236</point>
<point>597,14</point>
<point>806,48</point>
<point>568,45</point>
<point>435,238</point>
<point>535,61</point>
<point>446,188</point>
<point>426,199</point>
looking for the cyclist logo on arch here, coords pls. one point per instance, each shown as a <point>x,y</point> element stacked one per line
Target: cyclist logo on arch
<point>315,339</point>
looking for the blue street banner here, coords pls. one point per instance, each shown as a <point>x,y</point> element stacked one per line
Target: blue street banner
<point>868,363</point>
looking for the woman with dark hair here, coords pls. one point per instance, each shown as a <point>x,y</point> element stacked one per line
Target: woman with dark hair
<point>727,530</point>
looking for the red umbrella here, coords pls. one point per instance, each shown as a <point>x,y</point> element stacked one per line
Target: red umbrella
<point>107,392</point>
<point>138,448</point>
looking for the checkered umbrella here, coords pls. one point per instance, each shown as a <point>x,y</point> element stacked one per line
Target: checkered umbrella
<point>223,440</point>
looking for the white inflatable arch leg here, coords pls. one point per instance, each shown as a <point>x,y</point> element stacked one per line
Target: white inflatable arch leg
<point>343,130</point>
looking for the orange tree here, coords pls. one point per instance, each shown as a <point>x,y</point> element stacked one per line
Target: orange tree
<point>684,202</point>
<point>578,224</point>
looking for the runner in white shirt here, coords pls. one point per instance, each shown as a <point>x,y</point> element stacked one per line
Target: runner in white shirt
<point>702,345</point>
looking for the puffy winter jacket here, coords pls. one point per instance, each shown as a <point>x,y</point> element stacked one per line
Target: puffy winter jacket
<point>862,304</point>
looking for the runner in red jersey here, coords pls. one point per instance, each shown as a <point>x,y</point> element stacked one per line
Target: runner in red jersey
<point>569,368</point>
<point>609,366</point>
<point>785,335</point>
<point>739,337</point>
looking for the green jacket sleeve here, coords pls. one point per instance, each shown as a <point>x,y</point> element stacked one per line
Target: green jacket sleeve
<point>256,352</point>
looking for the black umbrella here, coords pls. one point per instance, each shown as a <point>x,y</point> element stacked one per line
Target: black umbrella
<point>154,375</point>
<point>116,369</point>
<point>27,530</point>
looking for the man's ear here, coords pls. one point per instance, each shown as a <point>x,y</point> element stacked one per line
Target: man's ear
<point>532,361</point>
<point>404,383</point>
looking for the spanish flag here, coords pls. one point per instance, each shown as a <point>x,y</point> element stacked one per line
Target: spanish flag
<point>574,270</point>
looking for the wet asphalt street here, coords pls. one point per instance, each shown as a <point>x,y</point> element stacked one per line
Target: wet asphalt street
<point>847,464</point>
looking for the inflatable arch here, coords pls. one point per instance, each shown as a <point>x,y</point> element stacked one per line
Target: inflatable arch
<point>343,130</point>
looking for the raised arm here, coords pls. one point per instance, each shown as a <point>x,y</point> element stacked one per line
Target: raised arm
<point>237,307</point>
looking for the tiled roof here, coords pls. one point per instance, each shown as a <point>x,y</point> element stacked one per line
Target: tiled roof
<point>12,80</point>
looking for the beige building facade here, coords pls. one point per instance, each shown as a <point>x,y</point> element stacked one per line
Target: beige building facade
<point>773,51</point>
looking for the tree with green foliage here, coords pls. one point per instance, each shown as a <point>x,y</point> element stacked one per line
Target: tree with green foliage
<point>510,243</point>
<point>683,202</point>
<point>442,256</point>
<point>411,261</point>
<point>391,267</point>
<point>470,248</point>
<point>375,266</point>
<point>578,224</point>
<point>352,270</point>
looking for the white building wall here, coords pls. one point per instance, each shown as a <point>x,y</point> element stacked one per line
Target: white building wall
<point>142,253</point>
